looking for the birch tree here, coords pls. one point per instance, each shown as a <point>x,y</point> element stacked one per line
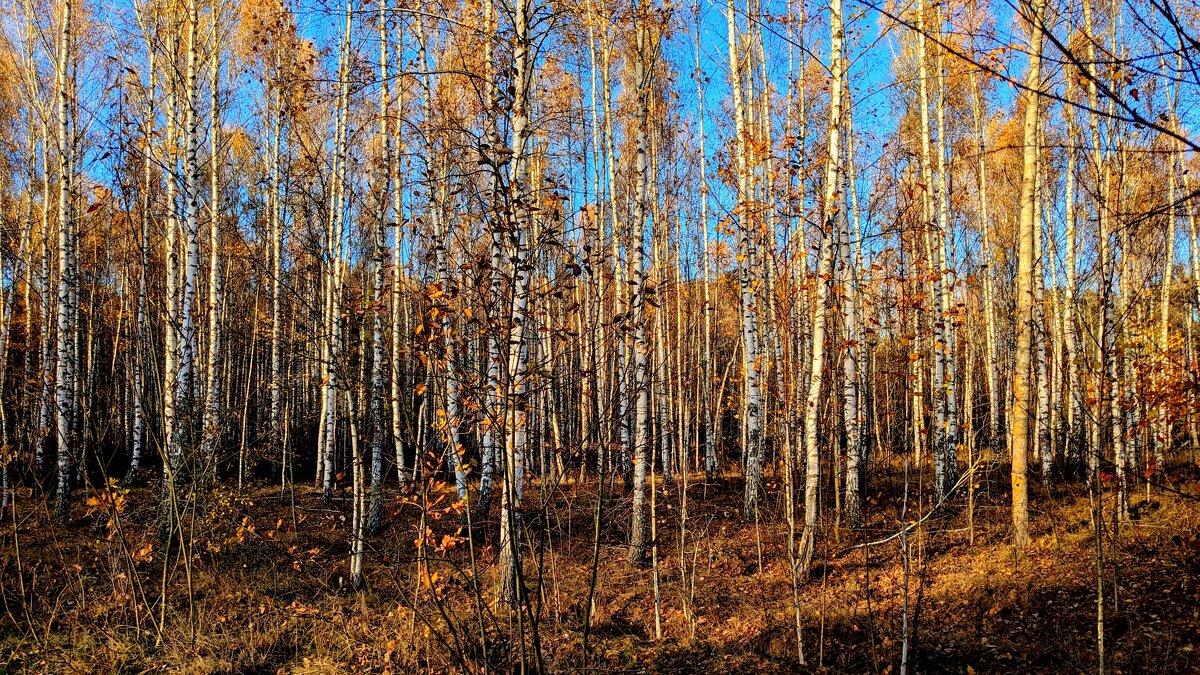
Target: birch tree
<point>1022,413</point>
<point>748,261</point>
<point>212,401</point>
<point>64,397</point>
<point>830,215</point>
<point>645,50</point>
<point>511,582</point>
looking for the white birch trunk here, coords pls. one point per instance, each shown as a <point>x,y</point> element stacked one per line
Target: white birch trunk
<point>492,398</point>
<point>1075,408</point>
<point>331,345</point>
<point>637,288</point>
<point>65,370</point>
<point>947,384</point>
<point>747,266</point>
<point>212,401</point>
<point>187,381</point>
<point>930,211</point>
<point>851,361</point>
<point>807,547</point>
<point>377,306</point>
<point>511,579</point>
<point>277,422</point>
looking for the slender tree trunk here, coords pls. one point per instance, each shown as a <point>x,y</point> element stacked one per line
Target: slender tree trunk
<point>1022,413</point>
<point>173,456</point>
<point>1163,423</point>
<point>377,307</point>
<point>358,505</point>
<point>851,361</point>
<point>711,467</point>
<point>46,349</point>
<point>747,266</point>
<point>493,405</point>
<point>637,289</point>
<point>930,210</point>
<point>276,229</point>
<point>186,382</point>
<point>947,384</point>
<point>140,331</point>
<point>1075,408</point>
<point>1106,422</point>
<point>511,580</point>
<point>399,328</point>
<point>830,217</point>
<point>212,404</point>
<point>331,344</point>
<point>1042,449</point>
<point>65,371</point>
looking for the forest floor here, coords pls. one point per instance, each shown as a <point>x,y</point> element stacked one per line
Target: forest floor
<point>267,591</point>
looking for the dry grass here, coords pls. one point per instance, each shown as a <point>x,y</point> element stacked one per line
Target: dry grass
<point>265,598</point>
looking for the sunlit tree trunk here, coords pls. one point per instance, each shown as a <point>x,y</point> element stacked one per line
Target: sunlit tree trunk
<point>46,346</point>
<point>1132,312</point>
<point>1162,438</point>
<point>331,344</point>
<point>276,234</point>
<point>830,216</point>
<point>621,391</point>
<point>1042,449</point>
<point>172,453</point>
<point>637,289</point>
<point>851,361</point>
<point>511,583</point>
<point>1021,415</point>
<point>140,329</point>
<point>947,384</point>
<point>358,496</point>
<point>747,266</point>
<point>1076,412</point>
<point>706,371</point>
<point>493,415</point>
<point>64,379</point>
<point>1119,302</point>
<point>186,383</point>
<point>929,211</point>
<point>771,343</point>
<point>212,401</point>
<point>378,307</point>
<point>1107,424</point>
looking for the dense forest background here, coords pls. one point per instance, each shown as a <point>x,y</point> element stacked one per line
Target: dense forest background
<point>504,335</point>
